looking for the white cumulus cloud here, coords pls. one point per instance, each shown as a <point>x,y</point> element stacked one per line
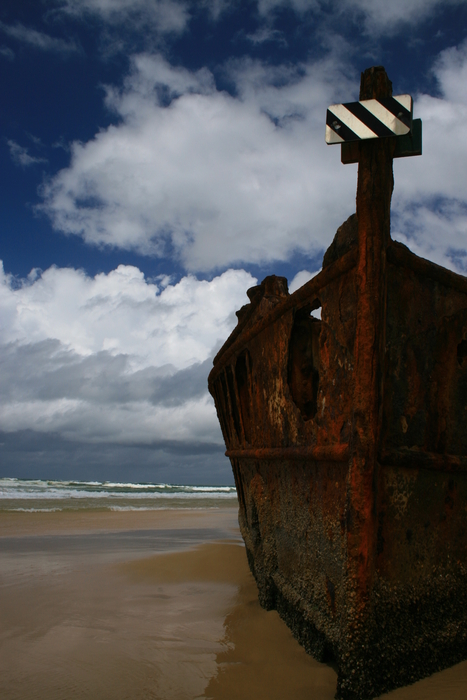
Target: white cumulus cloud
<point>164,15</point>
<point>300,279</point>
<point>21,156</point>
<point>115,357</point>
<point>213,178</point>
<point>378,16</point>
<point>38,40</point>
<point>430,199</point>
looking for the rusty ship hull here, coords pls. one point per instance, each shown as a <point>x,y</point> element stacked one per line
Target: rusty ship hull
<point>347,436</point>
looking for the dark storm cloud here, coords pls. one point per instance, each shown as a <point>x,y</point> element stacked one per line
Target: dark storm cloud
<point>47,371</point>
<point>29,455</point>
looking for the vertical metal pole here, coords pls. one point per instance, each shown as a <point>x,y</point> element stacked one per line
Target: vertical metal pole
<point>374,191</point>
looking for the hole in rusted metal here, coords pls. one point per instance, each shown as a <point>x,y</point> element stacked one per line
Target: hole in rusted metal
<point>462,352</point>
<point>233,402</point>
<point>316,313</point>
<point>220,394</point>
<point>242,372</point>
<point>225,411</point>
<point>303,363</point>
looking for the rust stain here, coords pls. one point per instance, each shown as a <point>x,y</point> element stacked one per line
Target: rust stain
<point>348,443</point>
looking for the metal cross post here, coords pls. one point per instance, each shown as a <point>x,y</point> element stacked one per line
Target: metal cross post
<point>370,133</point>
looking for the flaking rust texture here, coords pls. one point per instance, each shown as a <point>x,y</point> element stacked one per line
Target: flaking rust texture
<point>347,435</point>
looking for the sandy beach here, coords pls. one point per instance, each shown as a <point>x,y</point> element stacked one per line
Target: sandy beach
<point>152,604</point>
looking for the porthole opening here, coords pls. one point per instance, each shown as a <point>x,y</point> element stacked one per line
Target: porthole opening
<point>461,352</point>
<point>303,361</point>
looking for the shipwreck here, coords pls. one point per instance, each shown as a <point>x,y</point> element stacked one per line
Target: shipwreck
<point>347,436</point>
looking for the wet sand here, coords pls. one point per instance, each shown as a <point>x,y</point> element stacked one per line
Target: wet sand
<point>157,605</point>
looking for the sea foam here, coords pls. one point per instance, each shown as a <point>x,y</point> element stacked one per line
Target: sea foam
<point>48,495</point>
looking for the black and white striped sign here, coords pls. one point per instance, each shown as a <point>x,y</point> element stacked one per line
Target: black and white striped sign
<point>369,119</point>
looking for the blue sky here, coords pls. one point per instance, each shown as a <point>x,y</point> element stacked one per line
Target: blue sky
<point>157,158</point>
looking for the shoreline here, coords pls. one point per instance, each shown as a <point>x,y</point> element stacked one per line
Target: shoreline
<point>19,523</point>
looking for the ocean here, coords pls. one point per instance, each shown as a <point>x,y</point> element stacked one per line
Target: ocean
<point>41,495</point>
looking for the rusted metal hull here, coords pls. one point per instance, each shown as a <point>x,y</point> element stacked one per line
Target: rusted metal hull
<point>348,442</point>
<point>400,613</point>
